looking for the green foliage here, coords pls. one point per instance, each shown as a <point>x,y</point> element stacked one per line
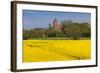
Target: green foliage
<point>26,34</point>
<point>74,30</point>
<point>50,33</point>
<point>37,33</point>
<point>50,26</point>
<point>60,34</point>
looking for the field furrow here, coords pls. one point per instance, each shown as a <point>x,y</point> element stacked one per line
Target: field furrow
<point>55,50</point>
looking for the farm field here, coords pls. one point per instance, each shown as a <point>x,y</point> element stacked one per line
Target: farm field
<point>56,50</point>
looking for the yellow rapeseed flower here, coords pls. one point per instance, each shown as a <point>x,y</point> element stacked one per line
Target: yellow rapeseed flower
<point>56,50</point>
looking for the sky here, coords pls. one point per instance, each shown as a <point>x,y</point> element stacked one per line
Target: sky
<point>41,19</point>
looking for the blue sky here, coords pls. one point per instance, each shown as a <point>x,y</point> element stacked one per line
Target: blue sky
<point>41,19</point>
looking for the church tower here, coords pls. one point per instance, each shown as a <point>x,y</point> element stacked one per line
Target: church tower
<point>57,25</point>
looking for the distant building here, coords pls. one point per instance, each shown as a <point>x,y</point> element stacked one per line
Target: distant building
<point>57,25</point>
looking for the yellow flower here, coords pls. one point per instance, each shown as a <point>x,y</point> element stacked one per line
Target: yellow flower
<point>56,50</point>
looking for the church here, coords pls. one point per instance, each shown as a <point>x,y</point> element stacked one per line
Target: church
<point>57,25</point>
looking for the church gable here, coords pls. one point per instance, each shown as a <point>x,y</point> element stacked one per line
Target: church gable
<point>57,25</point>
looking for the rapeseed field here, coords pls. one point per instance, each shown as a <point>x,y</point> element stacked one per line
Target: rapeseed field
<point>56,50</point>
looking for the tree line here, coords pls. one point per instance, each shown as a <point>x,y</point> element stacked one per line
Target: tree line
<point>70,30</point>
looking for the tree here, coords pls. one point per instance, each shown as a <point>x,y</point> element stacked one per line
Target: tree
<point>60,34</point>
<point>72,30</point>
<point>37,32</point>
<point>51,32</point>
<point>85,29</point>
<point>50,26</point>
<point>26,34</point>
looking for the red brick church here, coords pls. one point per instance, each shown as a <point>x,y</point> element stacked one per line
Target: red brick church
<point>57,25</point>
